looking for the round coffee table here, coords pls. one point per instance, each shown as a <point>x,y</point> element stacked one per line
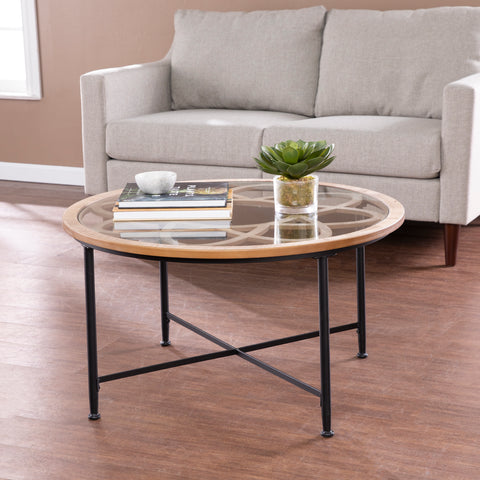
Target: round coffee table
<point>348,217</point>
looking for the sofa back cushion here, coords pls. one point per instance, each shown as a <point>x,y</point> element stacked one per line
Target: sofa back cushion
<point>395,62</point>
<point>261,60</point>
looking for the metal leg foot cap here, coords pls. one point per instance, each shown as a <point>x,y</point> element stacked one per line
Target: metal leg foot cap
<point>165,344</point>
<point>327,434</point>
<point>362,355</point>
<point>93,416</point>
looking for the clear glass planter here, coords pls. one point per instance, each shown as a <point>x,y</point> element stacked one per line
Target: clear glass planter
<point>295,196</point>
<point>295,228</point>
<point>299,228</point>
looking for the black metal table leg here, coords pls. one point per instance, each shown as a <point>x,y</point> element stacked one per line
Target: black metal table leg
<point>324,331</point>
<point>362,349</point>
<point>93,383</point>
<point>164,303</point>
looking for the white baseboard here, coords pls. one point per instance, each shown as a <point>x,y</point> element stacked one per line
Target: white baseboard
<point>29,172</point>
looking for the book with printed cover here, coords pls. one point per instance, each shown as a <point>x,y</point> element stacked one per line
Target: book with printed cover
<point>163,214</point>
<point>182,195</point>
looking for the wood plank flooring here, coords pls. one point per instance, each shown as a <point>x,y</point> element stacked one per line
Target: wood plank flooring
<point>410,411</point>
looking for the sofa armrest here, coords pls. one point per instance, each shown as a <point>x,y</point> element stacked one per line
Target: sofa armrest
<point>460,173</point>
<point>115,94</point>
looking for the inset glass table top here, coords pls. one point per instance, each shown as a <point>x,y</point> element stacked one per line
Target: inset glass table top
<point>346,216</point>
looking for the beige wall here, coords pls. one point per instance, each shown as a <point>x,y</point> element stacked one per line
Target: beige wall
<point>77,36</point>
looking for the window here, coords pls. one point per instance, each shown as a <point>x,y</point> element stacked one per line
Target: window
<point>19,59</point>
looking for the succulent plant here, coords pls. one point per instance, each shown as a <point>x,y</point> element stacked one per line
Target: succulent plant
<point>294,160</point>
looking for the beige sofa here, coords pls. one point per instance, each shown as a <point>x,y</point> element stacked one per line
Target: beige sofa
<point>398,92</point>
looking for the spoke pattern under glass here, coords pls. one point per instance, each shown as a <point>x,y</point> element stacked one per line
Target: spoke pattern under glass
<point>340,211</point>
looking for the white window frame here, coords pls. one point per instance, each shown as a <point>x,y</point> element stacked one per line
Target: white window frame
<point>32,56</point>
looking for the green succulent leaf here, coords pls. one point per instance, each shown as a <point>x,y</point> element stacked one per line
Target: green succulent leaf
<point>326,151</point>
<point>282,167</point>
<point>278,166</point>
<point>290,155</point>
<point>319,166</point>
<point>308,149</point>
<point>314,162</point>
<point>266,167</point>
<point>313,155</point>
<point>319,145</point>
<point>301,145</point>
<point>266,157</point>
<point>272,152</point>
<point>298,170</point>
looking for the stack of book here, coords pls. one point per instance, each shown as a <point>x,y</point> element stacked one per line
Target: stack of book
<point>190,210</point>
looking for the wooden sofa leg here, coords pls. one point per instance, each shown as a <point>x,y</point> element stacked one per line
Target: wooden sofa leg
<point>450,234</point>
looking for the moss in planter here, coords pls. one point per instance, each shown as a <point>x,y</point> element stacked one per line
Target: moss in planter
<point>296,193</point>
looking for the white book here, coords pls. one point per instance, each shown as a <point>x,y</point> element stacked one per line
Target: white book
<point>171,225</point>
<point>162,234</point>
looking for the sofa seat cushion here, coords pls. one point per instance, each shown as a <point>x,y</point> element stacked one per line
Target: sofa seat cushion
<point>204,137</point>
<point>395,62</point>
<point>371,145</point>
<point>260,60</point>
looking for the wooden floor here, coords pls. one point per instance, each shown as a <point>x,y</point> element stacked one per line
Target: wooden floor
<point>409,411</point>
